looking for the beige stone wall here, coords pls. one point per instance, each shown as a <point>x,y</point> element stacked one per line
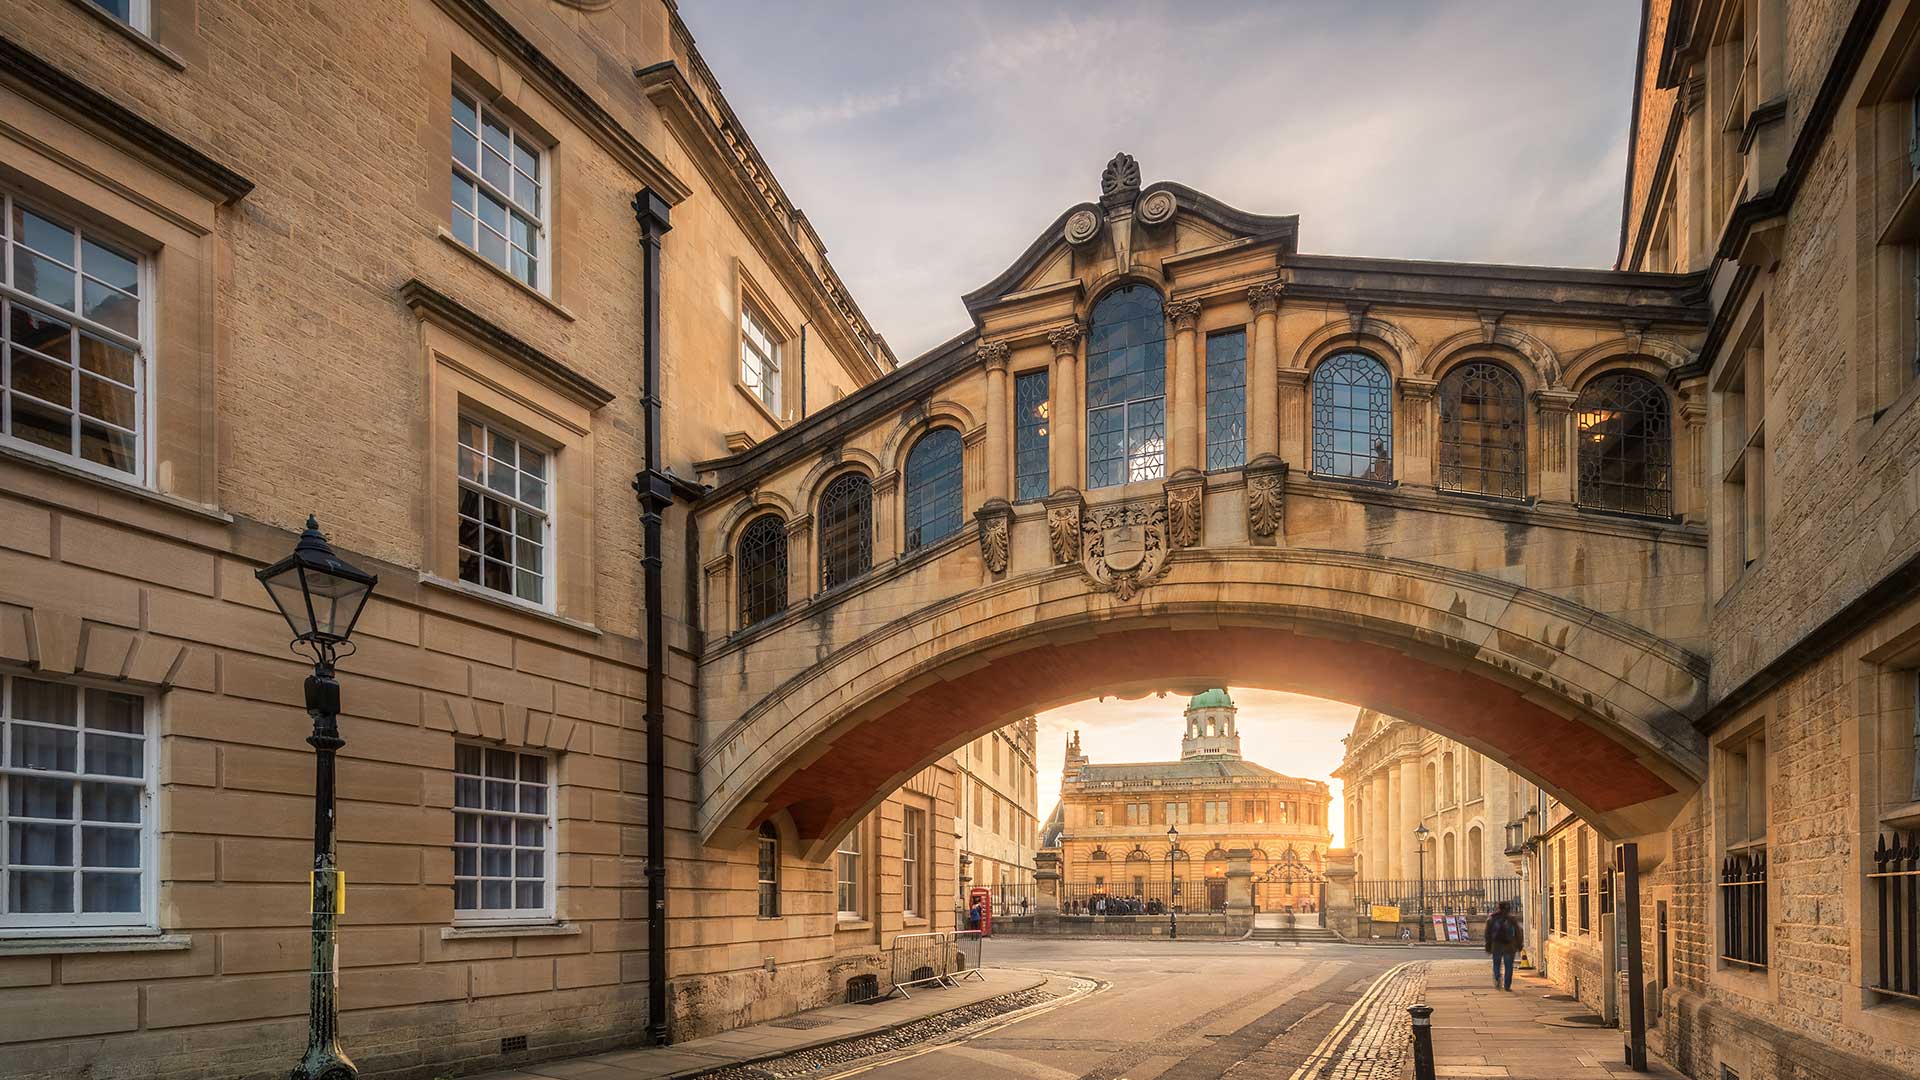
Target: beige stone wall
<point>997,815</point>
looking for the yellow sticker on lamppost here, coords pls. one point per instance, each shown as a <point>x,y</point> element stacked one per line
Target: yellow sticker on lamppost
<point>334,900</point>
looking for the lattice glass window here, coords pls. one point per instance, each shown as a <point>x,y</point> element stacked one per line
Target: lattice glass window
<point>1353,418</point>
<point>759,359</point>
<point>846,529</point>
<point>1227,399</point>
<point>497,190</point>
<point>767,872</point>
<point>1626,445</point>
<point>913,832</point>
<point>1483,431</point>
<point>761,563</point>
<point>502,833</point>
<point>503,512</point>
<point>934,496</point>
<point>847,875</point>
<point>1127,388</point>
<point>75,806</point>
<point>1031,409</point>
<point>73,346</point>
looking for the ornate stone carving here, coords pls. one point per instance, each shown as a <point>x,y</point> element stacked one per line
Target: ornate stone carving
<point>1124,548</point>
<point>993,354</point>
<point>1357,314</point>
<point>1265,296</point>
<point>1184,499</point>
<point>1083,227</point>
<point>996,534</point>
<point>1184,313</point>
<point>1121,179</point>
<point>1063,532</point>
<point>1156,207</point>
<point>1065,339</point>
<point>1490,325</point>
<point>1266,496</point>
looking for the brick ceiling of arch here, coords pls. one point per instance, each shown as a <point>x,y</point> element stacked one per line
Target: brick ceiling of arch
<point>1580,762</point>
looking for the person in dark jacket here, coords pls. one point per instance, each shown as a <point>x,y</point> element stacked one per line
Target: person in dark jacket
<point>1503,941</point>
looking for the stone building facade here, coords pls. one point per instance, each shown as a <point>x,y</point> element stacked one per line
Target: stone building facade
<point>996,819</point>
<point>1115,821</point>
<point>387,269</point>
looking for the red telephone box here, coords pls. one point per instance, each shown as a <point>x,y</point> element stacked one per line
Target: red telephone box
<point>981,900</point>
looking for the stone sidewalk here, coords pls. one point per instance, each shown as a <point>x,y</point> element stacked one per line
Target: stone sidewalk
<point>789,1035</point>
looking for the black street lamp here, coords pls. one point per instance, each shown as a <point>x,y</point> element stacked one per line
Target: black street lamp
<point>321,598</point>
<point>1173,858</point>
<point>1420,835</point>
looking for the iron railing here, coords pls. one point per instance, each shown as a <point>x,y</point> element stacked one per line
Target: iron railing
<point>1442,896</point>
<point>1896,886</point>
<point>1006,900</point>
<point>1743,908</point>
<point>1080,897</point>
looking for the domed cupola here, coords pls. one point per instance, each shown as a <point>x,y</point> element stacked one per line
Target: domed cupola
<point>1211,731</point>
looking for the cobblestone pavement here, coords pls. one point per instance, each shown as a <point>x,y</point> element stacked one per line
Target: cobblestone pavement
<point>1375,1039</point>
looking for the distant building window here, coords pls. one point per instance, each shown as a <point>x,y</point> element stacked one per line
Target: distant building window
<point>132,12</point>
<point>1099,818</point>
<point>1743,478</point>
<point>76,824</point>
<point>762,569</point>
<point>913,833</point>
<point>1179,813</point>
<point>73,326</point>
<point>1353,418</point>
<point>1626,445</point>
<point>1227,399</point>
<point>1483,431</point>
<point>497,194</point>
<point>767,871</point>
<point>847,875</point>
<point>1031,409</point>
<point>934,495</point>
<point>1126,386</point>
<point>1216,813</point>
<point>502,833</point>
<point>845,521</point>
<point>759,358</point>
<point>503,512</point>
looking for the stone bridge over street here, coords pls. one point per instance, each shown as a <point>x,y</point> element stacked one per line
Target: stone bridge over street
<point>1175,452</point>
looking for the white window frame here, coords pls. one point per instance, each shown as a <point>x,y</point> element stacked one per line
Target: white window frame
<point>517,135</point>
<point>845,885</point>
<point>550,885</point>
<point>548,586</point>
<point>913,835</point>
<point>139,15</point>
<point>141,346</point>
<point>763,384</point>
<point>766,840</point>
<point>102,924</point>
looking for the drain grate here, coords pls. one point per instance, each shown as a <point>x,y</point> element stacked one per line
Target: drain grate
<point>801,1023</point>
<point>513,1044</point>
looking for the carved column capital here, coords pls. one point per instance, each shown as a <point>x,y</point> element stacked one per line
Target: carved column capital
<point>993,354</point>
<point>1290,378</point>
<point>1418,390</point>
<point>1555,401</point>
<point>1184,313</point>
<point>1065,339</point>
<point>1265,296</point>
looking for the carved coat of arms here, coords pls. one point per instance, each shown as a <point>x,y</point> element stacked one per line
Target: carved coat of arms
<point>1124,548</point>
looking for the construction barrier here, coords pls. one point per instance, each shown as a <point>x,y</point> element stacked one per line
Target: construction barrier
<point>936,959</point>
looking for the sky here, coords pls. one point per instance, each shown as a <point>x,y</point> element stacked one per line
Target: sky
<point>929,144</point>
<point>1289,733</point>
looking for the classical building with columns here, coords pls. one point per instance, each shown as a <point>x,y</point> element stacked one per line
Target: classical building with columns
<point>1115,819</point>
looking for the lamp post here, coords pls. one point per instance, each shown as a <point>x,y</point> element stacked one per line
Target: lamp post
<point>1420,835</point>
<point>321,598</point>
<point>1173,857</point>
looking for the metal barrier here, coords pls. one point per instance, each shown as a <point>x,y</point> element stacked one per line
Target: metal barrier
<point>967,946</point>
<point>936,959</point>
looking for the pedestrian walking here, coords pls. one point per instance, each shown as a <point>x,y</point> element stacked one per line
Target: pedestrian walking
<point>1503,942</point>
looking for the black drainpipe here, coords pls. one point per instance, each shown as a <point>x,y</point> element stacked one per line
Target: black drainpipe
<point>655,486</point>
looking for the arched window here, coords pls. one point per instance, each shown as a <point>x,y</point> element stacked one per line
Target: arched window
<point>846,529</point>
<point>761,563</point>
<point>1353,418</point>
<point>1476,859</point>
<point>1626,445</point>
<point>769,871</point>
<point>1483,431</point>
<point>1127,388</point>
<point>933,488</point>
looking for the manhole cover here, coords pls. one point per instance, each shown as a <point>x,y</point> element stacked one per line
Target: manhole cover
<point>1585,1018</point>
<point>801,1023</point>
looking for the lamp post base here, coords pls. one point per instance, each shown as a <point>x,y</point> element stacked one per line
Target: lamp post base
<point>325,1063</point>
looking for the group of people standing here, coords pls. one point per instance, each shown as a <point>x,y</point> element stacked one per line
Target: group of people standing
<point>1115,905</point>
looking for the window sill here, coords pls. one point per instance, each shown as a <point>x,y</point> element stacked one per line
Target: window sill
<point>124,487</point>
<point>544,300</point>
<point>509,930</point>
<point>845,922</point>
<point>508,602</point>
<point>766,411</point>
<point>165,55</point>
<point>1902,817</point>
<point>145,941</point>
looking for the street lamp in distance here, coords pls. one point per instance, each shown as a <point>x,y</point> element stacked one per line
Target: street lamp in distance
<point>321,596</point>
<point>1420,835</point>
<point>1173,856</point>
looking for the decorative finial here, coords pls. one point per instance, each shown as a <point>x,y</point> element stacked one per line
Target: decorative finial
<point>1121,180</point>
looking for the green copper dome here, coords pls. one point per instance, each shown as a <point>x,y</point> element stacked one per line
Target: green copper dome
<point>1210,699</point>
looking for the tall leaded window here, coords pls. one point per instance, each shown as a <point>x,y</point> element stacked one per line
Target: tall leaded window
<point>72,343</point>
<point>75,799</point>
<point>497,190</point>
<point>1227,399</point>
<point>933,488</point>
<point>913,832</point>
<point>759,358</point>
<point>847,875</point>
<point>767,871</point>
<point>503,512</point>
<point>845,520</point>
<point>1483,431</point>
<point>1031,406</point>
<point>761,563</point>
<point>502,833</point>
<point>1127,388</point>
<point>1626,445</point>
<point>1353,418</point>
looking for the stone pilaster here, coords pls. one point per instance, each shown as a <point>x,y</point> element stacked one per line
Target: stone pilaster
<point>999,458</point>
<point>1263,360</point>
<point>1183,390</point>
<point>1690,453</point>
<point>1554,409</point>
<point>1414,432</point>
<point>1240,880</point>
<point>1409,858</point>
<point>1065,448</point>
<point>1046,881</point>
<point>799,559</point>
<point>1291,407</point>
<point>719,596</point>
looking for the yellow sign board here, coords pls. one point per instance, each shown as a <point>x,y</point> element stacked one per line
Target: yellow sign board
<point>1386,913</point>
<point>339,889</point>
